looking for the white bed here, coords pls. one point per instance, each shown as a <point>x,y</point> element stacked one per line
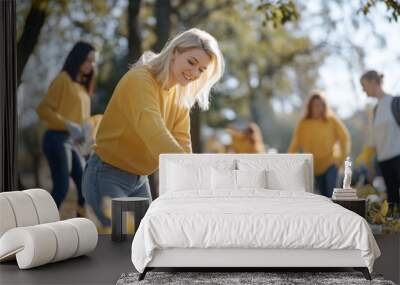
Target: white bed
<point>225,210</point>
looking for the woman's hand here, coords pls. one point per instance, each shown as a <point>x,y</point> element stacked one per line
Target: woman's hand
<point>75,131</point>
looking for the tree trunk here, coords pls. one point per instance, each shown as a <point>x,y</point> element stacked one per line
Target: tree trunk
<point>30,35</point>
<point>163,26</point>
<point>254,109</point>
<point>162,30</point>
<point>262,113</point>
<point>134,36</point>
<point>195,129</point>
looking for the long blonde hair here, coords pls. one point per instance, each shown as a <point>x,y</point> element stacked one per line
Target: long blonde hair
<point>197,90</point>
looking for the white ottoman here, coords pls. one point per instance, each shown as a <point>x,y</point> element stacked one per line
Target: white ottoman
<point>31,232</point>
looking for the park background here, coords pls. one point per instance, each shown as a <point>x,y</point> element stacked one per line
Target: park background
<point>276,52</point>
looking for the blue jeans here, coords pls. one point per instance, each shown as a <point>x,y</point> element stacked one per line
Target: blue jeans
<point>64,161</point>
<point>327,181</point>
<point>101,179</point>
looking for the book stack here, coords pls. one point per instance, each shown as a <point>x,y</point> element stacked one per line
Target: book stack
<point>344,194</point>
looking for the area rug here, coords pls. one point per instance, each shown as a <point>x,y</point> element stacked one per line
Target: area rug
<point>243,278</point>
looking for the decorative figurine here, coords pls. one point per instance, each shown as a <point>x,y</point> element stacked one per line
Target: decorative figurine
<point>347,174</point>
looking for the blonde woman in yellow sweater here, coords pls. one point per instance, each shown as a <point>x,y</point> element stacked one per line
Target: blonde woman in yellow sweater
<point>148,114</point>
<point>63,110</point>
<point>319,132</point>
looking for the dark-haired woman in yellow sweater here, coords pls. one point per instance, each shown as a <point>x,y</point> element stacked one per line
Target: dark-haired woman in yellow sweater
<point>63,110</point>
<point>148,114</point>
<point>318,133</point>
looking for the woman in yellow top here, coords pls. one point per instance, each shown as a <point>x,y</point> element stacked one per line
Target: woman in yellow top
<point>249,140</point>
<point>318,133</point>
<point>148,114</point>
<point>63,110</point>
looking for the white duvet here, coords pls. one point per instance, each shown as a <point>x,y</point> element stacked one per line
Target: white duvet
<point>253,218</point>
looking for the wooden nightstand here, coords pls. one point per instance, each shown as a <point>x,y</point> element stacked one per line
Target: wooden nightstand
<point>358,206</point>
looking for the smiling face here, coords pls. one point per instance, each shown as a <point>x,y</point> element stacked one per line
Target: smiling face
<point>89,64</point>
<point>188,65</point>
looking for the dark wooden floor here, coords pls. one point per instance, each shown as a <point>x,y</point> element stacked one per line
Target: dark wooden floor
<point>102,266</point>
<point>110,259</point>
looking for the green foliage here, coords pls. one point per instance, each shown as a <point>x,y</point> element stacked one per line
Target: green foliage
<point>268,53</point>
<point>278,12</point>
<point>265,63</point>
<point>392,7</point>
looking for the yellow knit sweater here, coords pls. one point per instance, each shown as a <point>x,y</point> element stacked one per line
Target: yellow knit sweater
<point>66,100</point>
<point>328,141</point>
<point>142,121</point>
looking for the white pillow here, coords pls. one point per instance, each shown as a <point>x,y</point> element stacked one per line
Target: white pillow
<point>251,178</point>
<point>278,180</point>
<point>193,174</point>
<point>223,179</point>
<point>235,179</point>
<point>183,178</point>
<point>282,174</point>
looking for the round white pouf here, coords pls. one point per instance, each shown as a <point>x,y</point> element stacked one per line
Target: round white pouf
<point>33,246</point>
<point>67,240</point>
<point>87,234</point>
<point>23,208</point>
<point>7,218</point>
<point>46,208</point>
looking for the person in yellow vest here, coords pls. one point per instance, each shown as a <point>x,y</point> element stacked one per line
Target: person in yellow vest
<point>148,114</point>
<point>322,134</point>
<point>63,110</point>
<point>249,140</point>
